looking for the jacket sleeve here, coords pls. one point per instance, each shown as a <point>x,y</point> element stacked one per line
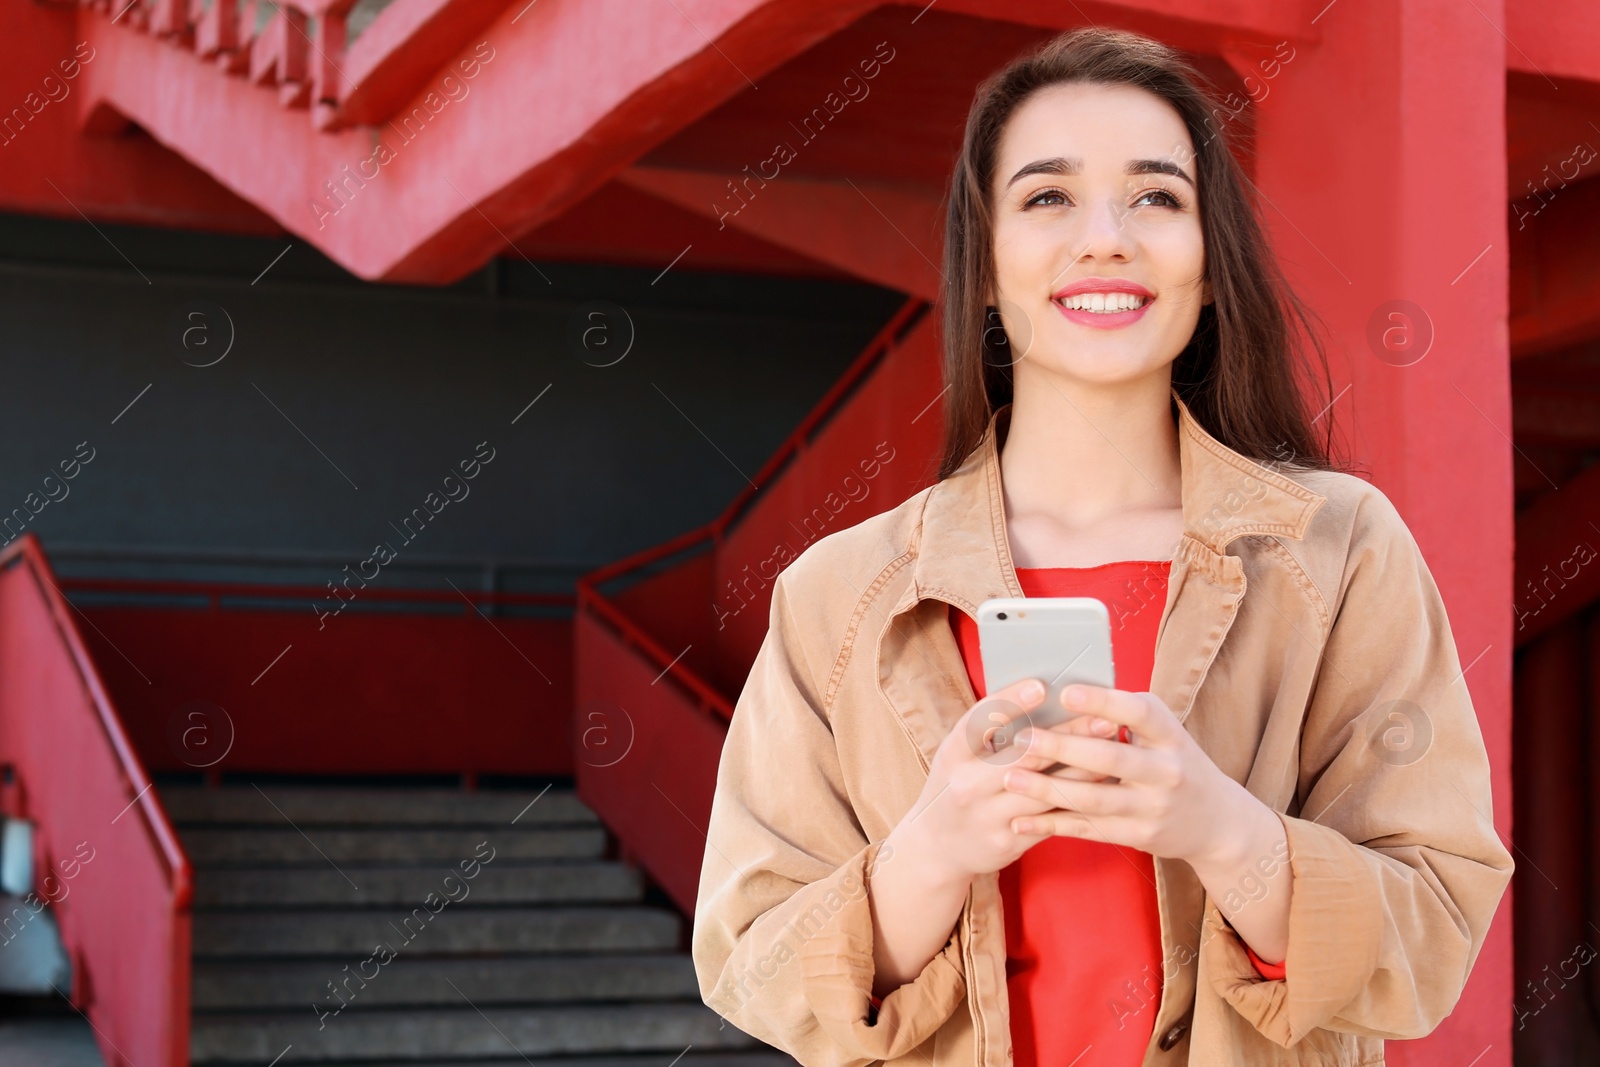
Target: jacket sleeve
<point>1396,867</point>
<point>783,937</point>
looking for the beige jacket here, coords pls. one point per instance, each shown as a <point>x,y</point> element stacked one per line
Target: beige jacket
<point>1303,644</point>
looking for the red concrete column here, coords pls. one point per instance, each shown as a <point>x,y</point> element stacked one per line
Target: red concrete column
<point>1382,157</point>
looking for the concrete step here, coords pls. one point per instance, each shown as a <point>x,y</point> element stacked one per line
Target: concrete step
<point>500,882</point>
<point>309,900</point>
<point>463,1033</point>
<point>358,934</point>
<point>414,981</point>
<point>277,805</point>
<point>216,846</point>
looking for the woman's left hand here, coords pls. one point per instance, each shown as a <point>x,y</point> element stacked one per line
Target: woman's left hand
<point>1159,793</point>
<point>1162,794</point>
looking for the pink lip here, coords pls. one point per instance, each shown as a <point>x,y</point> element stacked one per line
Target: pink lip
<point>1102,320</point>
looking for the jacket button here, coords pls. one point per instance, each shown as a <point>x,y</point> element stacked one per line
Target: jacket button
<point>1173,1035</point>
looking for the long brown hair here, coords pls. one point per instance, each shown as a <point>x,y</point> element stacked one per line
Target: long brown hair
<point>1237,373</point>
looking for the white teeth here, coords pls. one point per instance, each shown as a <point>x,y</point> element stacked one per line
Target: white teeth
<point>1105,303</point>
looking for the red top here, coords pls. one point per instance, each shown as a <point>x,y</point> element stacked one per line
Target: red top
<point>1083,926</point>
<point>1082,922</point>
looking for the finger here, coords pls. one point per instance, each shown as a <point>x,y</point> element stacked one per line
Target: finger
<point>1015,805</point>
<point>1021,807</point>
<point>1088,798</point>
<point>1032,761</point>
<point>1095,726</point>
<point>1053,767</point>
<point>1098,755</point>
<point>990,724</point>
<point>1082,725</point>
<point>1027,692</point>
<point>1075,774</point>
<point>1087,726</point>
<point>1018,756</point>
<point>1030,839</point>
<point>1144,714</point>
<point>1067,824</point>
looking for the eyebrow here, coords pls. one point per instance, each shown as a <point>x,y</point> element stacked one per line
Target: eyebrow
<point>1065,166</point>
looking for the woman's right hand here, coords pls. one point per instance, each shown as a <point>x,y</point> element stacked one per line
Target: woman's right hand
<point>960,827</point>
<point>961,824</point>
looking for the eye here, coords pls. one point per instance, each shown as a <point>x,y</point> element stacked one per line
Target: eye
<point>1041,194</point>
<point>1173,199</point>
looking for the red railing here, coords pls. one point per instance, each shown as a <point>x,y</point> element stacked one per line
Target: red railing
<point>656,671</point>
<point>106,857</point>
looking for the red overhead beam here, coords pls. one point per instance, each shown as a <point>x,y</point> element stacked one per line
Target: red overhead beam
<point>888,235</point>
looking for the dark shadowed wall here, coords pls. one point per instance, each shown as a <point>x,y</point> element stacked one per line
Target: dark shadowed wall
<point>341,405</point>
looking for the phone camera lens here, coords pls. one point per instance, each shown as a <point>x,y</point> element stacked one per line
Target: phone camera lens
<point>1000,615</point>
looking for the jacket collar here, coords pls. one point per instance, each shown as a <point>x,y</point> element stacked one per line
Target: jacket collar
<point>964,555</point>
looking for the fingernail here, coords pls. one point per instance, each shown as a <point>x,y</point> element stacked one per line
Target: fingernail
<point>1024,738</point>
<point>1033,690</point>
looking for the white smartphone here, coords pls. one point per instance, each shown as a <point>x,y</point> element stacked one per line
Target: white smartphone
<point>1059,640</point>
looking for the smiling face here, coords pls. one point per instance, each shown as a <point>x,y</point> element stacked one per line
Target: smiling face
<point>1098,250</point>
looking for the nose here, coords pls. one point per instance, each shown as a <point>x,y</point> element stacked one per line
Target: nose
<point>1104,232</point>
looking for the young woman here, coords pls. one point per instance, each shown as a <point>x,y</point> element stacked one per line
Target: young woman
<point>1271,843</point>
